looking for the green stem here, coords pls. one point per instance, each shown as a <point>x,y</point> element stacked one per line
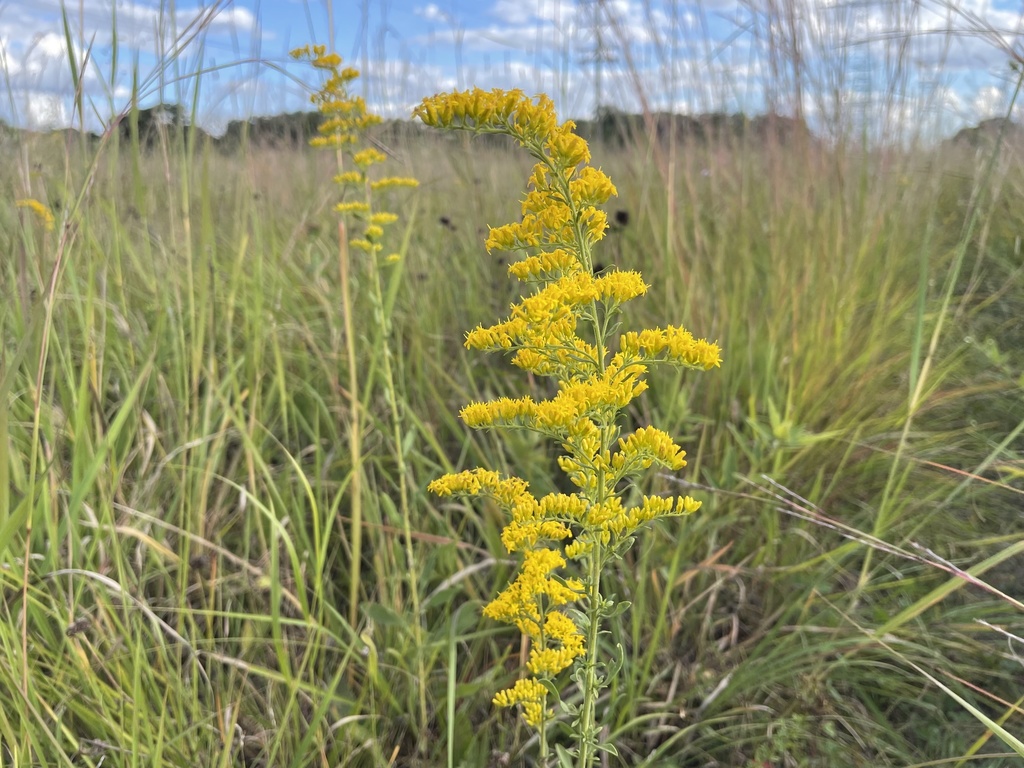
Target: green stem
<point>403,489</point>
<point>356,425</point>
<point>545,752</point>
<point>588,714</point>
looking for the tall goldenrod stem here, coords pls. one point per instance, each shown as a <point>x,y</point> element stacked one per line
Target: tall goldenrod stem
<point>355,431</point>
<point>545,721</point>
<point>588,714</point>
<point>343,129</point>
<point>403,489</point>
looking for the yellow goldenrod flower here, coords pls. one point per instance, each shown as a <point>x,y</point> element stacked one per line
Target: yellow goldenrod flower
<point>507,492</point>
<point>521,536</point>
<point>353,207</point>
<point>620,286</point>
<point>567,149</point>
<point>677,344</point>
<point>42,212</point>
<point>334,141</point>
<point>366,245</point>
<point>367,157</point>
<point>649,445</point>
<point>346,120</point>
<point>548,661</point>
<point>393,181</point>
<point>349,177</point>
<point>591,187</point>
<point>327,61</point>
<point>531,694</point>
<point>557,263</point>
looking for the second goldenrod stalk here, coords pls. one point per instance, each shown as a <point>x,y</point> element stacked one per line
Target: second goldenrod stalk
<point>346,119</point>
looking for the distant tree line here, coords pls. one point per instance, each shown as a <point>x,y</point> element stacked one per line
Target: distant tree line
<point>290,130</point>
<point>985,133</point>
<point>148,123</point>
<point>610,127</point>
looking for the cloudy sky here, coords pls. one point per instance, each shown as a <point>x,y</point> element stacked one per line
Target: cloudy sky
<point>887,62</point>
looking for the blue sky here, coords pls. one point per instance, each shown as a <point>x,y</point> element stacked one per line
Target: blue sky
<point>891,62</point>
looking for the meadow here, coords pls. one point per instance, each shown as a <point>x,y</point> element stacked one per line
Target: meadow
<point>199,565</point>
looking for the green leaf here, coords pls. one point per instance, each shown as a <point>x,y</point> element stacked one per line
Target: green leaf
<point>617,660</point>
<point>618,609</point>
<point>99,456</point>
<point>1008,738</point>
<point>608,747</point>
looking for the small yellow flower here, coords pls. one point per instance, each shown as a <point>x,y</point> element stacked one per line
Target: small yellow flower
<point>555,263</point>
<point>673,344</point>
<point>591,187</point>
<point>393,181</point>
<point>367,157</point>
<point>568,150</point>
<point>548,661</point>
<point>327,61</point>
<point>531,694</point>
<point>365,245</point>
<point>352,207</point>
<point>42,212</point>
<point>648,445</point>
<point>334,141</point>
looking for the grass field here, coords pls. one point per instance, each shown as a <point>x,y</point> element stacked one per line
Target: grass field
<point>179,481</point>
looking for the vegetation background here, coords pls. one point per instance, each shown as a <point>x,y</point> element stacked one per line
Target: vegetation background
<point>176,475</point>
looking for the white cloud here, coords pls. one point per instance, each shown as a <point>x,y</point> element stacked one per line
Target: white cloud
<point>45,110</point>
<point>40,63</point>
<point>431,12</point>
<point>521,12</point>
<point>36,63</point>
<point>990,101</point>
<point>229,20</point>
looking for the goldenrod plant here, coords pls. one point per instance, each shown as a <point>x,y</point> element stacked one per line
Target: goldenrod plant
<point>346,120</point>
<point>567,328</point>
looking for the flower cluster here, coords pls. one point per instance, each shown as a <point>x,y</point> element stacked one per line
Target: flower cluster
<point>566,328</point>
<point>531,602</point>
<point>346,120</point>
<point>42,212</point>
